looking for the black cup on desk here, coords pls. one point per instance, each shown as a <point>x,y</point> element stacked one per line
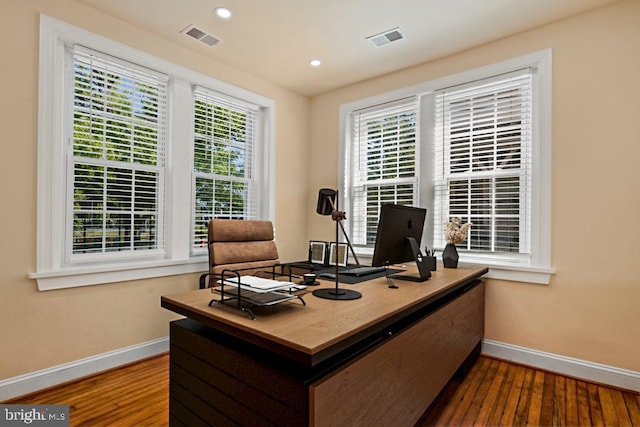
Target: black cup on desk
<point>431,262</point>
<point>308,278</point>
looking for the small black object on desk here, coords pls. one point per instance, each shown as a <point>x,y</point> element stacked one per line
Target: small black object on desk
<point>328,204</point>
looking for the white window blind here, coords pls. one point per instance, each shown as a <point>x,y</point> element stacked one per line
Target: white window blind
<point>483,162</point>
<point>224,170</point>
<point>117,159</point>
<point>383,163</point>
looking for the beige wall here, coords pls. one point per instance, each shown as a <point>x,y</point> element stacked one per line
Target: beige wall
<point>591,309</point>
<point>43,329</point>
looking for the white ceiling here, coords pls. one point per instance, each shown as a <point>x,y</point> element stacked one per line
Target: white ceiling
<point>275,39</point>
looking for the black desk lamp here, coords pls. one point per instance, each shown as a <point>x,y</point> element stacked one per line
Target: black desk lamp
<point>328,205</point>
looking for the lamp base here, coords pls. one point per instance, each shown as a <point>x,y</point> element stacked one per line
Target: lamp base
<point>337,294</point>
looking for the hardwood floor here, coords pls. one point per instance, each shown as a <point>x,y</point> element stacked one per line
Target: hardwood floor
<point>492,393</point>
<point>134,395</point>
<point>498,393</point>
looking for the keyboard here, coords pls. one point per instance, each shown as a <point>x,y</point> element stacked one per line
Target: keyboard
<point>362,271</point>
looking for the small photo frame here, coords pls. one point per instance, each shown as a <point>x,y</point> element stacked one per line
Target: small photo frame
<point>341,253</point>
<point>317,252</point>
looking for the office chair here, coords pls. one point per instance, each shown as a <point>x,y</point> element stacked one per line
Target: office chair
<point>246,246</point>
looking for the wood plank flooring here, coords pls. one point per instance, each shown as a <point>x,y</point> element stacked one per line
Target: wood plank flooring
<point>133,395</point>
<point>499,393</point>
<point>492,393</point>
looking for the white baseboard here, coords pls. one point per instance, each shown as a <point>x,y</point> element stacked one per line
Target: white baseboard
<point>594,372</point>
<point>34,381</point>
<point>28,383</point>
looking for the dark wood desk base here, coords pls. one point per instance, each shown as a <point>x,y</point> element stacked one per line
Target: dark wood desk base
<point>389,378</point>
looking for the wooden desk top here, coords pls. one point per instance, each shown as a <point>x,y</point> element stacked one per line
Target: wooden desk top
<point>311,333</point>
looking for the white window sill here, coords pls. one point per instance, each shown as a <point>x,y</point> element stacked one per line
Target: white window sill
<point>515,270</point>
<point>86,276</point>
<point>537,275</point>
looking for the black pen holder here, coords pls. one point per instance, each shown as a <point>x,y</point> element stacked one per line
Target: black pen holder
<point>431,263</point>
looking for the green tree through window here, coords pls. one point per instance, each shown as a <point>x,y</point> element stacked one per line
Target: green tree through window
<point>118,156</point>
<point>224,138</point>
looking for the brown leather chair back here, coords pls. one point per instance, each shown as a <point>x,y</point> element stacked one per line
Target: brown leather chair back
<point>241,244</point>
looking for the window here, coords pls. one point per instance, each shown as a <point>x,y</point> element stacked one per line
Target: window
<point>117,161</point>
<point>123,137</point>
<point>483,163</point>
<point>383,164</point>
<point>479,149</point>
<point>223,161</point>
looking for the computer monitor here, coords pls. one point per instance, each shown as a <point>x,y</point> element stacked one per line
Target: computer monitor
<point>398,239</point>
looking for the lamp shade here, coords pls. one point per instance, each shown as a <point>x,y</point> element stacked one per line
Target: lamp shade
<point>326,200</point>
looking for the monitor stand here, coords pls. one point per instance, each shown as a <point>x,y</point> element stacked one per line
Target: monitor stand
<point>423,269</point>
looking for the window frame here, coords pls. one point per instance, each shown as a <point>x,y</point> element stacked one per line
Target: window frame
<point>52,270</point>
<point>249,177</point>
<point>470,100</point>
<point>83,55</point>
<point>360,119</point>
<point>538,269</point>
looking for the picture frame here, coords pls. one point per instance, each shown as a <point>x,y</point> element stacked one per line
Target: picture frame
<point>317,252</point>
<point>340,250</point>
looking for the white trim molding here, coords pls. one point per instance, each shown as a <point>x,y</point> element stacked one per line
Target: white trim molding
<point>34,381</point>
<point>97,276</point>
<point>576,368</point>
<point>537,275</point>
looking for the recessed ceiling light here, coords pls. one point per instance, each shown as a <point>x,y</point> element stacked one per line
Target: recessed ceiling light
<point>315,62</point>
<point>223,12</point>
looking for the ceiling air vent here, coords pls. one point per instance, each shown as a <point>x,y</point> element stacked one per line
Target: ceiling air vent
<point>386,37</point>
<point>200,35</point>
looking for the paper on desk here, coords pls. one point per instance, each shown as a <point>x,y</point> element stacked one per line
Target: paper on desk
<point>258,284</point>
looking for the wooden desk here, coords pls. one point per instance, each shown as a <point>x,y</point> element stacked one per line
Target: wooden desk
<point>378,360</point>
